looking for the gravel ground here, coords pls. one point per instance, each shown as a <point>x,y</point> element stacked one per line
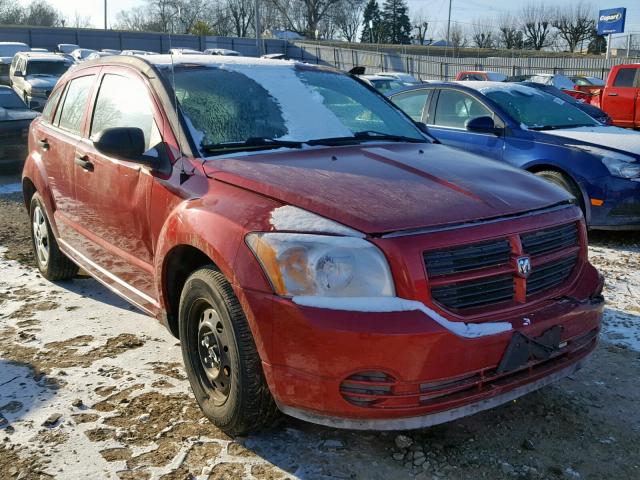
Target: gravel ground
<point>90,388</point>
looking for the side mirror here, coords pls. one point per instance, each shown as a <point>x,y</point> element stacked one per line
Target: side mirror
<point>482,125</point>
<point>126,143</point>
<point>357,71</point>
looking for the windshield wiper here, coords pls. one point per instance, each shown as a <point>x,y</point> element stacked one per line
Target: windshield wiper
<point>558,127</point>
<point>254,143</point>
<point>363,136</point>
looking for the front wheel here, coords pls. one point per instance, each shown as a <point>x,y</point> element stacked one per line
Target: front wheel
<point>52,263</point>
<point>564,182</point>
<point>220,356</point>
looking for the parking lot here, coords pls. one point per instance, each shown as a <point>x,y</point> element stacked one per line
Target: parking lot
<point>91,388</point>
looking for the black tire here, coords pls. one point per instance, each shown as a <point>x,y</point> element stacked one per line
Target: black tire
<point>563,181</point>
<point>56,265</point>
<point>220,356</point>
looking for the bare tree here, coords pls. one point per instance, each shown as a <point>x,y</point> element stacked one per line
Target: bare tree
<point>536,24</point>
<point>241,13</point>
<point>575,24</point>
<point>457,36</point>
<point>347,18</point>
<point>482,33</point>
<point>420,25</point>
<point>509,35</point>
<point>78,21</point>
<point>304,16</point>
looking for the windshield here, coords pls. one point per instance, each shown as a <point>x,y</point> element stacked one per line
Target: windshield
<point>55,69</point>
<point>538,110</point>
<point>9,99</point>
<point>237,103</point>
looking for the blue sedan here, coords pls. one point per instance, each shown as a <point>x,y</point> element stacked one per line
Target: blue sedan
<point>530,129</point>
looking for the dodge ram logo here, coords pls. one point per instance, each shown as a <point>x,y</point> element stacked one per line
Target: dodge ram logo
<point>524,266</point>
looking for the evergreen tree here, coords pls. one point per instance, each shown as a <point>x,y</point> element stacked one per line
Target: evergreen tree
<point>371,15</point>
<point>395,19</point>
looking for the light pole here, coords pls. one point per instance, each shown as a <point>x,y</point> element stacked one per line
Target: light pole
<point>105,14</point>
<point>446,48</point>
<point>258,28</point>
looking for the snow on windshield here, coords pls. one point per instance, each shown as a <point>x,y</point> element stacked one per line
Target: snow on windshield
<point>237,101</point>
<point>535,108</point>
<point>304,119</point>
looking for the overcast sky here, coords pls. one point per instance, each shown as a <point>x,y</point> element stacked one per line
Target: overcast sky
<point>464,11</point>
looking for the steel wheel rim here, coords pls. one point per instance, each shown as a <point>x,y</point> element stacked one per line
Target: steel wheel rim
<point>213,352</point>
<point>41,236</point>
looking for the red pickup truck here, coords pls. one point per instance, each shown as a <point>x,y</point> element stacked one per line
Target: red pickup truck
<point>620,97</point>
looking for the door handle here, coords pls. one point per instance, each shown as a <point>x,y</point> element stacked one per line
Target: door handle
<point>42,143</point>
<point>83,161</point>
<point>613,94</point>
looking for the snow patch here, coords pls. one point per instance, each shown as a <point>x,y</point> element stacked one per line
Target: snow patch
<point>10,188</point>
<point>397,304</point>
<point>296,219</point>
<point>608,137</point>
<point>304,119</point>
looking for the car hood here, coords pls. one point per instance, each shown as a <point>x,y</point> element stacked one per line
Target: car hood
<point>48,81</point>
<point>389,187</point>
<point>11,115</point>
<point>612,138</point>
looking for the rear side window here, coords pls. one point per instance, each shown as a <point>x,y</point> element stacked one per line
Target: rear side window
<point>412,103</point>
<point>49,108</point>
<point>75,104</point>
<point>625,77</point>
<point>124,102</point>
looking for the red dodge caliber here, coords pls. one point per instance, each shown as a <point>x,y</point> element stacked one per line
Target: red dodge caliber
<point>315,251</point>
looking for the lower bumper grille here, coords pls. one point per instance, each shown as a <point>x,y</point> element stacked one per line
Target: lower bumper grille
<point>382,391</point>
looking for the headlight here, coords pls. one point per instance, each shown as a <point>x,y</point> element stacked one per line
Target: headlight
<point>623,168</point>
<point>618,164</point>
<point>322,265</point>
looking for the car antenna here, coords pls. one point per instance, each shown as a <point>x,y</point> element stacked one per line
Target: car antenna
<point>184,176</point>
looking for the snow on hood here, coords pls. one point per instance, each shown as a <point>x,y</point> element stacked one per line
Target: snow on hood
<point>606,137</point>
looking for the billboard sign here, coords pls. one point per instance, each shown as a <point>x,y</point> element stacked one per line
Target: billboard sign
<point>611,21</point>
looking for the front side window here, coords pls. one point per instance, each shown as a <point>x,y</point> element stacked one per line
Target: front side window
<point>538,110</point>
<point>625,77</point>
<point>124,102</point>
<point>75,104</point>
<point>413,102</point>
<point>238,103</point>
<point>456,108</point>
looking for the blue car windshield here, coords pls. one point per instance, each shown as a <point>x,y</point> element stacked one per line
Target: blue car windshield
<point>538,110</point>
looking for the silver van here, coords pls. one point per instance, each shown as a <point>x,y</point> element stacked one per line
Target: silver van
<point>33,76</point>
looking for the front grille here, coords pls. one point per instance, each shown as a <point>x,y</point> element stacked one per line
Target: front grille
<point>550,239</point>
<point>550,275</point>
<point>475,293</point>
<point>485,274</point>
<point>462,259</point>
